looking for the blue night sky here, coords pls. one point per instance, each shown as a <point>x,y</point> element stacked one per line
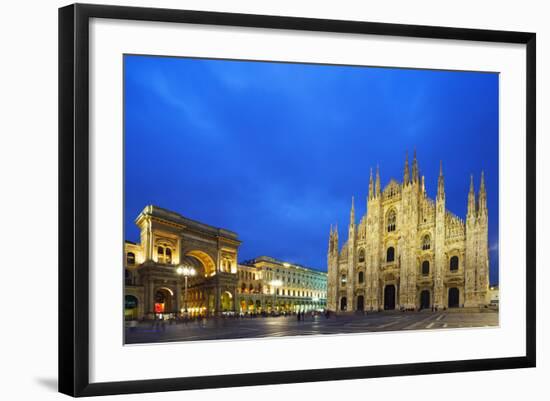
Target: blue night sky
<point>275,151</point>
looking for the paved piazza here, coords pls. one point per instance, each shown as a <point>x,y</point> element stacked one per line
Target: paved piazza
<point>232,328</point>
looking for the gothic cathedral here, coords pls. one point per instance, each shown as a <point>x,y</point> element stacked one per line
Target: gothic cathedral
<point>409,252</point>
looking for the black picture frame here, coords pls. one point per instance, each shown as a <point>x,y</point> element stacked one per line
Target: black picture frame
<point>74,194</point>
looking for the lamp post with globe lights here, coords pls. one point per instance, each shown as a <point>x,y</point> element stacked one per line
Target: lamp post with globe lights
<point>186,272</point>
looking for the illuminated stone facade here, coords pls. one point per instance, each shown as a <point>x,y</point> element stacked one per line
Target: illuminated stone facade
<point>168,240</point>
<point>267,284</point>
<point>409,252</point>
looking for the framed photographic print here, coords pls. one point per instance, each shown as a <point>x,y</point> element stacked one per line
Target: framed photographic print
<point>255,187</point>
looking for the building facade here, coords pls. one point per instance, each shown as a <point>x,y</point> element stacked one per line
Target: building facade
<point>220,285</point>
<point>167,241</point>
<point>409,252</point>
<point>267,284</point>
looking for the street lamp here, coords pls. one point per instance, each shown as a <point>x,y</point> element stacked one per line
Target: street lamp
<point>275,284</point>
<point>186,272</point>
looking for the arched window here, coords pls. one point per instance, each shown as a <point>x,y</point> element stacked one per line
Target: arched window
<point>454,263</point>
<point>130,258</point>
<point>425,268</point>
<point>160,254</point>
<point>390,254</point>
<point>361,255</point>
<point>391,221</point>
<point>361,277</point>
<point>343,279</point>
<point>168,257</point>
<point>426,243</point>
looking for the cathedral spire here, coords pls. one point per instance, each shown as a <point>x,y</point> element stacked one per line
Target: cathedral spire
<point>415,171</point>
<point>377,188</point>
<point>330,240</point>
<point>352,212</point>
<point>371,193</point>
<point>406,176</point>
<point>482,206</point>
<point>441,182</point>
<point>471,198</point>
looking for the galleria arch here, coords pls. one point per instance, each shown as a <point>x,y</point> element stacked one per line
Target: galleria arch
<point>169,240</point>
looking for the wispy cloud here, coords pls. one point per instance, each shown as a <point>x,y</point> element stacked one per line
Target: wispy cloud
<point>192,106</point>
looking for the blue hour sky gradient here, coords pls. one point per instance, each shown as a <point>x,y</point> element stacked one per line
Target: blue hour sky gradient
<point>275,151</point>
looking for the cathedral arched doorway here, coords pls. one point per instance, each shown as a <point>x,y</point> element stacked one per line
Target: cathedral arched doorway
<point>453,297</point>
<point>343,304</point>
<point>389,297</point>
<point>360,303</point>
<point>425,299</point>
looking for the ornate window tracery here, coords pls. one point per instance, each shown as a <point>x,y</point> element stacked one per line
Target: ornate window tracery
<point>426,242</point>
<point>361,255</point>
<point>391,221</point>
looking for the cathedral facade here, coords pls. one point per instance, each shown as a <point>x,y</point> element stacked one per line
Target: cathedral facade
<point>409,252</point>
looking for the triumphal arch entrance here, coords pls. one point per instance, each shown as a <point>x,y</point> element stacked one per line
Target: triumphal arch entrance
<point>180,266</point>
